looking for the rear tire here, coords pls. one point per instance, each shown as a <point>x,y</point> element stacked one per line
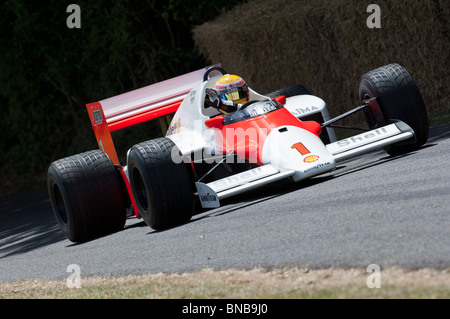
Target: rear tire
<point>162,189</point>
<point>86,195</point>
<point>399,99</point>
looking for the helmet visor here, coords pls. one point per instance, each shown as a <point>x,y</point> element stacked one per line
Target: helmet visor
<point>234,94</point>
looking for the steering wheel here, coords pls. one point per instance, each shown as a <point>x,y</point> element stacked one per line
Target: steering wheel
<point>247,104</point>
<point>212,69</point>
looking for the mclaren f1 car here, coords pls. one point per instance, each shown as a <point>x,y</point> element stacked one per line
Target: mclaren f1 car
<point>206,156</point>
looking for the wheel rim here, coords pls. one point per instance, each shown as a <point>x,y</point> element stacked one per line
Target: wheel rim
<point>140,189</point>
<point>374,115</point>
<point>60,205</point>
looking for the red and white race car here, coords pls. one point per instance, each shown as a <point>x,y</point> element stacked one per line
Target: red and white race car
<point>207,156</point>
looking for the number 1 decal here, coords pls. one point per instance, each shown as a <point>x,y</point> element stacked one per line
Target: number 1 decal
<point>301,148</point>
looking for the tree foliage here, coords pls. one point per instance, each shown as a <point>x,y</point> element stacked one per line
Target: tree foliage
<point>48,72</point>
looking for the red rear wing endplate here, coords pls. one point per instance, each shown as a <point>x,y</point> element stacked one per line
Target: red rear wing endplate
<point>101,131</point>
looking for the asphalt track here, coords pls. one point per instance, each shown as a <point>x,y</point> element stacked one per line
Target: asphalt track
<point>376,209</point>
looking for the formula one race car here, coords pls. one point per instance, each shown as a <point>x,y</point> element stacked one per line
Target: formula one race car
<point>207,156</point>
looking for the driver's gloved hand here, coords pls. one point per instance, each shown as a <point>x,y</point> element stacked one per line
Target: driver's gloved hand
<point>213,99</point>
<point>228,106</point>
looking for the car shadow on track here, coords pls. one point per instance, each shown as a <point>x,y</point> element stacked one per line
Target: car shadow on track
<point>27,223</point>
<point>353,166</point>
<point>439,133</point>
<point>247,199</point>
<point>260,195</point>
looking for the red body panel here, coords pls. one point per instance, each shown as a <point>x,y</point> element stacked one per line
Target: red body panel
<point>246,138</point>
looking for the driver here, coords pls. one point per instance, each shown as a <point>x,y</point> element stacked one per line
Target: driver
<point>229,94</point>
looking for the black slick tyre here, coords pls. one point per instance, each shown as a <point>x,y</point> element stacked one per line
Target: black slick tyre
<point>399,99</point>
<point>162,188</point>
<point>86,195</point>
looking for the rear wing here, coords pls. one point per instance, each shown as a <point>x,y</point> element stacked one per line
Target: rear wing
<point>138,106</point>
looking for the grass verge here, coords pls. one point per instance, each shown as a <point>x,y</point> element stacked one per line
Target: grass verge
<point>284,283</point>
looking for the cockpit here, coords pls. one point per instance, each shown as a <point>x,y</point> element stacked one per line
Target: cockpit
<point>251,109</point>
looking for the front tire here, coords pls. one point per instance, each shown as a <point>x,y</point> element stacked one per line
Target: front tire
<point>399,99</point>
<point>162,189</point>
<point>86,195</point>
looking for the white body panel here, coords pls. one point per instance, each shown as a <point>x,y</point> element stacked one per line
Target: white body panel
<point>279,151</point>
<point>187,128</point>
<point>371,140</point>
<point>210,194</point>
<point>302,106</point>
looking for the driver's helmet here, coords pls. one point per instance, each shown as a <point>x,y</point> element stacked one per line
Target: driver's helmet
<point>232,88</point>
